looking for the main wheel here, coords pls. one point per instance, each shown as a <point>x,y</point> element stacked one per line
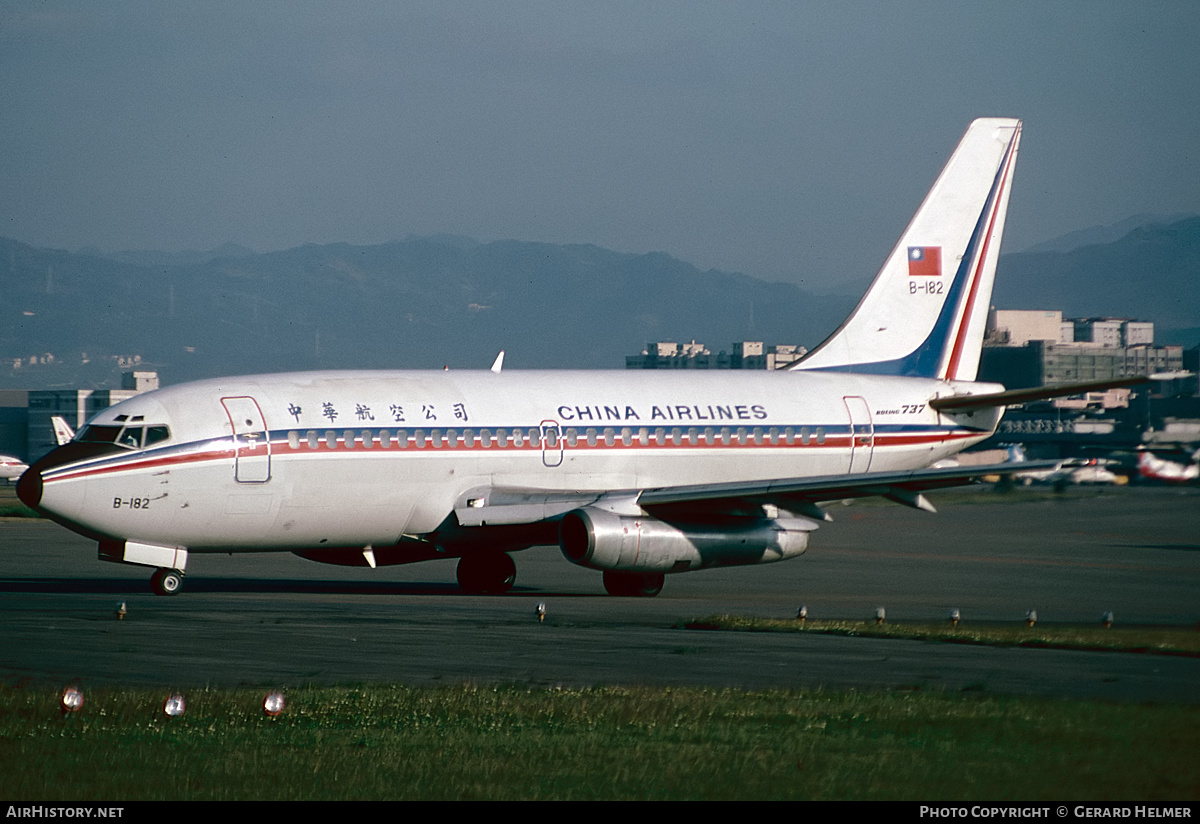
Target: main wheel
<point>633,584</point>
<point>486,572</point>
<point>166,581</point>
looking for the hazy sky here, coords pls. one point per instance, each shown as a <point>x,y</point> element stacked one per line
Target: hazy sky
<point>786,140</point>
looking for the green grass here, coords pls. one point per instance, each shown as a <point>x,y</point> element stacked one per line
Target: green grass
<point>468,742</point>
<point>1153,640</point>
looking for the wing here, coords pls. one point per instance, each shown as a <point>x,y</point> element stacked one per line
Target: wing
<point>497,506</point>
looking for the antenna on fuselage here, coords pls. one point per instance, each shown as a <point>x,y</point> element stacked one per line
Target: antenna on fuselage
<point>498,364</point>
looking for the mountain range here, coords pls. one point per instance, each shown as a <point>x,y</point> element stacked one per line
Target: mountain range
<point>427,302</point>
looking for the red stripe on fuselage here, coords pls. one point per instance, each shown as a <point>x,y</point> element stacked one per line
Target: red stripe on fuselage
<point>841,441</point>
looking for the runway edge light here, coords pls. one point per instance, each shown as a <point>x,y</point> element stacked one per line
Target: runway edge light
<point>174,705</point>
<point>72,700</point>
<point>273,704</point>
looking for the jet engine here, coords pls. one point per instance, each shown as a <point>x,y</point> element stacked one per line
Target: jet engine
<point>600,539</point>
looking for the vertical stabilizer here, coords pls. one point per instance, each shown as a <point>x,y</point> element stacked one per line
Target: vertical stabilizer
<point>926,310</point>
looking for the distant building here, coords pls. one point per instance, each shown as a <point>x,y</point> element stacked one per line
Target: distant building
<point>1041,348</point>
<point>742,355</point>
<point>14,422</point>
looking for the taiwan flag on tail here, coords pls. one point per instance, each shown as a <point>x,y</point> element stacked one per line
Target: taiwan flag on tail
<point>925,260</point>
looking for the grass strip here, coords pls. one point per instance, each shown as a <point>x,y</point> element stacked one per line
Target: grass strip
<point>475,742</point>
<point>1154,640</point>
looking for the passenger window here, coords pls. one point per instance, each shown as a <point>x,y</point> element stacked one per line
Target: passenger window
<point>293,439</point>
<point>368,439</point>
<point>820,434</point>
<point>402,438</point>
<point>485,438</point>
<point>348,439</point>
<point>385,438</point>
<point>312,439</point>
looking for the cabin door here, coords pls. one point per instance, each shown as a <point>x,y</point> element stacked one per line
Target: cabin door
<point>862,433</point>
<point>252,444</point>
<point>552,445</point>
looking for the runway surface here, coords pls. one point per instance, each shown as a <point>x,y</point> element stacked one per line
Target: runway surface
<point>274,619</point>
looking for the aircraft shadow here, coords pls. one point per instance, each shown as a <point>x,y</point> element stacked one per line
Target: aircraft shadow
<point>128,587</point>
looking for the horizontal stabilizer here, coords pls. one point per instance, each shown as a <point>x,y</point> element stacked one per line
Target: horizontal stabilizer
<point>963,403</point>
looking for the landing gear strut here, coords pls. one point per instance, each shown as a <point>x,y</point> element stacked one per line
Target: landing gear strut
<point>633,584</point>
<point>492,573</point>
<point>166,581</point>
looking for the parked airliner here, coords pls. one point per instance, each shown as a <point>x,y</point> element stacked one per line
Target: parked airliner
<point>11,468</point>
<point>636,474</point>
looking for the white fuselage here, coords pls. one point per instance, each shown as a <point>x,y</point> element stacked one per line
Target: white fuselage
<point>284,462</point>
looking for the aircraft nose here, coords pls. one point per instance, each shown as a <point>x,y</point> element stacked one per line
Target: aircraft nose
<point>29,487</point>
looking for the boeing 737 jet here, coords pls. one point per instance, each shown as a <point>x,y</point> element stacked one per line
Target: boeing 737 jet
<point>635,474</point>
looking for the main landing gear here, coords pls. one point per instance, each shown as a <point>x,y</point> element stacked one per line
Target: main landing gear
<point>487,572</point>
<point>633,584</point>
<point>166,581</point>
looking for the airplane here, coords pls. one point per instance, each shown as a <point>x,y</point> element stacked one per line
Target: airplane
<point>1154,468</point>
<point>11,468</point>
<point>1066,471</point>
<point>635,474</point>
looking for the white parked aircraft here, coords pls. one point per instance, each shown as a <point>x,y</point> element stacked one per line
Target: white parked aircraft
<point>1154,468</point>
<point>11,468</point>
<point>637,474</point>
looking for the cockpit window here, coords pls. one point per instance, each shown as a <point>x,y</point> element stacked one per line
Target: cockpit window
<point>154,434</point>
<point>130,437</point>
<point>98,434</point>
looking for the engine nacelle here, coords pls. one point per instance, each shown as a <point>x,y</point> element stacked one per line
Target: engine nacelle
<point>601,539</point>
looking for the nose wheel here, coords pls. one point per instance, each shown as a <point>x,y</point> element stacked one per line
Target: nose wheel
<point>166,581</point>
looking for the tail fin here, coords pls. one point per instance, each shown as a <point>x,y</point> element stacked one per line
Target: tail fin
<point>925,313</point>
<point>63,433</point>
